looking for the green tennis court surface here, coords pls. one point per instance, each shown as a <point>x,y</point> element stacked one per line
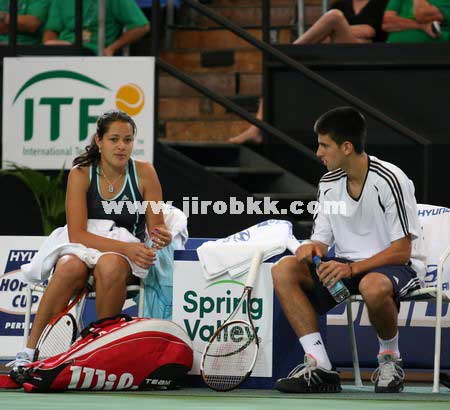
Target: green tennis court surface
<point>186,399</point>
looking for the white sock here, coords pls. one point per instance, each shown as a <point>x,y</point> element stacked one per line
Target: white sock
<point>313,345</point>
<point>29,352</point>
<point>391,344</point>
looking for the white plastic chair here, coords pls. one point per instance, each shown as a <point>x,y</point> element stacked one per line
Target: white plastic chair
<point>435,223</point>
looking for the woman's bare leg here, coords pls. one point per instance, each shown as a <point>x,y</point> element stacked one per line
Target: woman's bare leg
<point>253,133</point>
<point>111,274</point>
<point>69,278</point>
<point>331,27</point>
<point>332,24</point>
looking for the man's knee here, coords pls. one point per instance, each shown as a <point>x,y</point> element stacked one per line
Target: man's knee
<point>288,271</point>
<point>72,271</point>
<point>375,288</point>
<point>111,269</point>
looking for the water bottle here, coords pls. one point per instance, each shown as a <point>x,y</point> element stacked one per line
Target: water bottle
<point>148,242</point>
<point>339,291</point>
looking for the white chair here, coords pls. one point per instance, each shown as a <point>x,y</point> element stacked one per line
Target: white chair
<point>435,223</point>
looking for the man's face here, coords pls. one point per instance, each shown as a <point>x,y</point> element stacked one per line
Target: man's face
<point>330,153</point>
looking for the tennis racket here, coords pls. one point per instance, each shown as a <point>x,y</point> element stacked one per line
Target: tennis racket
<point>60,332</point>
<point>230,355</point>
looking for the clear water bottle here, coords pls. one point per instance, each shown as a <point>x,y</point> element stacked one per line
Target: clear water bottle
<point>339,291</point>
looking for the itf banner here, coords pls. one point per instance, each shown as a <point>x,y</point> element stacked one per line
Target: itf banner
<point>50,105</point>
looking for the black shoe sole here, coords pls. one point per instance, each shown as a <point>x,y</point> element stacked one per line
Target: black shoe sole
<point>327,388</point>
<point>392,389</point>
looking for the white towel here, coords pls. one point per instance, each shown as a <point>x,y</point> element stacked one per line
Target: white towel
<point>233,254</point>
<point>57,245</point>
<point>435,221</point>
<point>176,222</point>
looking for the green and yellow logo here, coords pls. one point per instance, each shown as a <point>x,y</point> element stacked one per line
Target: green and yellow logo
<point>129,98</point>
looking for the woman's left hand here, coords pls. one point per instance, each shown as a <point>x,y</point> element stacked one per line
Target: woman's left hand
<point>161,237</point>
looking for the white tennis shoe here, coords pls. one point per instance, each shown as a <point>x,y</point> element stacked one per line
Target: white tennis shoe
<point>22,359</point>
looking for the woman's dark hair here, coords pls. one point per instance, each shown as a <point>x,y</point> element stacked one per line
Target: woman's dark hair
<point>343,124</point>
<point>92,154</point>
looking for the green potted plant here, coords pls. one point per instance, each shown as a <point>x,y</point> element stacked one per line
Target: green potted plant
<point>49,193</point>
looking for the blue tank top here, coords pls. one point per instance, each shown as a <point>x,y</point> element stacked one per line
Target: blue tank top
<point>133,222</point>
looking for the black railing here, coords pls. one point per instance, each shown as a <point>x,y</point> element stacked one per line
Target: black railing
<point>316,78</point>
<point>13,26</point>
<point>266,48</point>
<point>78,23</point>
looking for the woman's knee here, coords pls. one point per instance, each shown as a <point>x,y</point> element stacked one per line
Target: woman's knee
<point>112,269</point>
<point>334,16</point>
<point>375,288</point>
<point>71,270</point>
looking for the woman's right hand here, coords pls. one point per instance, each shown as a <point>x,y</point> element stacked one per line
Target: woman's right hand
<point>141,255</point>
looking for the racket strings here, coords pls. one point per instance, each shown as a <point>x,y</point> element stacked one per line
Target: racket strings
<point>59,337</point>
<point>230,356</point>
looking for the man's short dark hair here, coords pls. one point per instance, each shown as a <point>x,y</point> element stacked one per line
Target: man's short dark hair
<point>343,124</point>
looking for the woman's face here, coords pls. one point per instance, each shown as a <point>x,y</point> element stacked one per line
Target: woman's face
<point>117,143</point>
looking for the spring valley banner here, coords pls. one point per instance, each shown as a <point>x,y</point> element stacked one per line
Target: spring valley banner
<point>50,105</point>
<point>200,307</point>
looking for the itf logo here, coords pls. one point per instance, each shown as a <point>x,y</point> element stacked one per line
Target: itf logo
<point>51,105</point>
<point>129,98</point>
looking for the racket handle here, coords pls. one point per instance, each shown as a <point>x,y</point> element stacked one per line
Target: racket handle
<point>254,268</point>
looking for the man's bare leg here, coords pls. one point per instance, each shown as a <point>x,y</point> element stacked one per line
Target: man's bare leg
<point>290,279</point>
<point>378,294</point>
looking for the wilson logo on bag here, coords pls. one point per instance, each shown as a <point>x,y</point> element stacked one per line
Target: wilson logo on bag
<point>121,353</point>
<point>83,378</point>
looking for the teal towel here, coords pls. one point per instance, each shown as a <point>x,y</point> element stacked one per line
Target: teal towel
<point>158,286</point>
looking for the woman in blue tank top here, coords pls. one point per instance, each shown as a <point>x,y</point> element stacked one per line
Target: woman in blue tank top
<point>105,172</point>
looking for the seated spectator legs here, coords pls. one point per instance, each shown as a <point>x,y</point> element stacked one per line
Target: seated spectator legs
<point>253,133</point>
<point>332,27</point>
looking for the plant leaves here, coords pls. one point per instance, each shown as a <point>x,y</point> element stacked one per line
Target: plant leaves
<point>48,192</point>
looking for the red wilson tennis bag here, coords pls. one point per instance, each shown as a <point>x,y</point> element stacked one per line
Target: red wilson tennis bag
<point>121,353</point>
